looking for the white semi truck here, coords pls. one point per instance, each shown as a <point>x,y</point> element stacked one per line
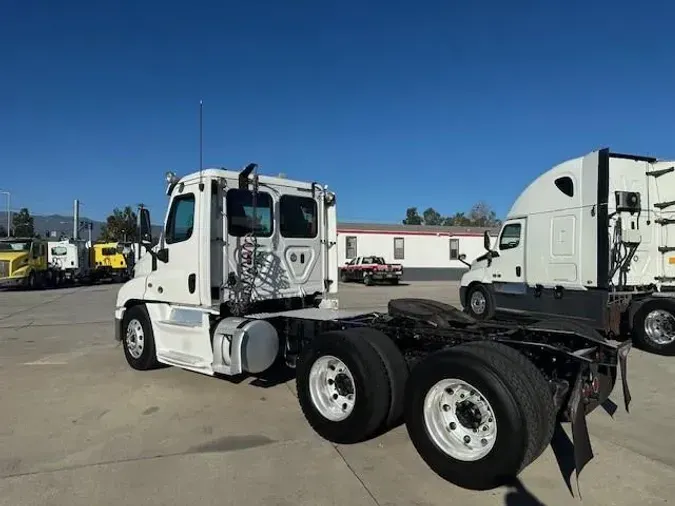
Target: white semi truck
<point>70,260</point>
<point>591,240</point>
<point>244,278</point>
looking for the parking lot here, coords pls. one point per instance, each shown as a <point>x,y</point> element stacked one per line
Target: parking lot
<point>79,427</point>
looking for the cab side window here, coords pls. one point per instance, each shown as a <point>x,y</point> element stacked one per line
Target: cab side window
<point>240,213</point>
<point>510,237</point>
<point>181,220</point>
<point>298,217</point>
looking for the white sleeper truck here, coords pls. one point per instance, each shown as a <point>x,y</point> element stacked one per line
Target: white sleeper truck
<point>244,279</point>
<point>69,259</point>
<point>592,241</point>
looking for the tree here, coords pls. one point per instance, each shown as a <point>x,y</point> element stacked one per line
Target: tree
<point>480,215</point>
<point>23,224</point>
<point>120,225</point>
<point>432,217</point>
<point>412,217</point>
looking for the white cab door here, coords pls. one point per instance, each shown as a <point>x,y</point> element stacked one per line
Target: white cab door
<point>508,269</point>
<point>177,281</point>
<point>244,227</point>
<point>299,228</point>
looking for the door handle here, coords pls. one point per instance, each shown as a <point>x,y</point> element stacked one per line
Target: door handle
<point>518,270</point>
<point>192,282</point>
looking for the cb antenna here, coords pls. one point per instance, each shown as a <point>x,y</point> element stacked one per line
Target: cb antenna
<point>201,144</point>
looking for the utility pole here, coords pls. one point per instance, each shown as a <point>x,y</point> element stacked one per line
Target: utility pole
<point>9,211</point>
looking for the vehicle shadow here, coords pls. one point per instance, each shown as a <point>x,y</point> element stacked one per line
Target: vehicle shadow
<point>278,374</point>
<point>518,495</point>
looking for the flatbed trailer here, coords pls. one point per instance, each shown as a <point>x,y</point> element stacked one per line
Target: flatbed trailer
<point>223,293</point>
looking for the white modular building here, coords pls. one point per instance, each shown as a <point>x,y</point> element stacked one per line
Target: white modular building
<point>427,253</point>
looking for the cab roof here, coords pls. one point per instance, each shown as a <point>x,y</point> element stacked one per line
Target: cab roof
<point>215,173</point>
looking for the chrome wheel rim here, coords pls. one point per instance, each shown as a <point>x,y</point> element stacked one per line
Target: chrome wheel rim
<point>135,338</point>
<point>660,326</point>
<point>478,302</point>
<point>460,420</point>
<point>332,388</point>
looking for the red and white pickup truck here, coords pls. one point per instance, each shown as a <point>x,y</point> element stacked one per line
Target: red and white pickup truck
<point>370,269</point>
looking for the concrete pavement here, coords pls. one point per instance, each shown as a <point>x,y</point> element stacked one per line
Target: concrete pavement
<point>78,426</point>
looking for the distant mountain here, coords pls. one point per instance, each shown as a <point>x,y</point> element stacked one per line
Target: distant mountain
<point>57,224</point>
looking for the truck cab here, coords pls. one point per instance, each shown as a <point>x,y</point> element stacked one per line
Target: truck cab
<point>592,240</point>
<point>232,243</point>
<point>23,262</point>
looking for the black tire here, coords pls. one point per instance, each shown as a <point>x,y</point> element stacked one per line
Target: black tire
<point>488,310</point>
<point>31,284</point>
<point>368,280</point>
<point>372,386</point>
<point>493,375</point>
<point>606,375</point>
<point>344,278</point>
<point>538,391</point>
<point>397,370</point>
<point>148,357</point>
<point>641,337</point>
<point>394,281</point>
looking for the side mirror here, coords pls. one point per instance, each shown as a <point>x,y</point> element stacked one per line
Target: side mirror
<point>487,242</point>
<point>144,226</point>
<point>462,258</point>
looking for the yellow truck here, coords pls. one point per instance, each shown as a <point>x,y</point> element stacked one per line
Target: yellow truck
<point>111,260</point>
<point>24,263</point>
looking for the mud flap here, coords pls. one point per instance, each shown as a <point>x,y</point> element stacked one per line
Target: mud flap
<point>623,357</point>
<point>583,453</point>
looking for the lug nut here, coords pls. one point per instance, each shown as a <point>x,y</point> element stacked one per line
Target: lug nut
<point>330,381</point>
<point>483,442</point>
<point>335,396</point>
<point>449,391</point>
<point>485,427</point>
<point>446,407</point>
<point>461,396</point>
<point>453,425</point>
<point>467,439</point>
<point>489,420</point>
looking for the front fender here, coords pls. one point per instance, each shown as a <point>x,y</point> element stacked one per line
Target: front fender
<point>134,289</point>
<point>131,292</point>
<point>22,272</point>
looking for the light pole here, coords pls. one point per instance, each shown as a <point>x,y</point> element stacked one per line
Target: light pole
<point>9,211</point>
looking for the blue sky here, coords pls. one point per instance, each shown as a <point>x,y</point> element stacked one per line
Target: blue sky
<point>392,104</point>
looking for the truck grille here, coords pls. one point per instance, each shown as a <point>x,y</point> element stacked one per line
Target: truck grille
<point>4,268</point>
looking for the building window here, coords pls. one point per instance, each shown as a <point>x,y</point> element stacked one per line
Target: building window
<point>240,219</point>
<point>298,217</point>
<point>350,246</point>
<point>454,249</point>
<point>399,250</point>
<point>181,220</point>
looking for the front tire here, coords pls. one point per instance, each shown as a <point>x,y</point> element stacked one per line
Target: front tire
<point>368,280</point>
<point>479,303</point>
<point>465,416</point>
<point>31,284</point>
<point>138,339</point>
<point>654,327</point>
<point>343,387</point>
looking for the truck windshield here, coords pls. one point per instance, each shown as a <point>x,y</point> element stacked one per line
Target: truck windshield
<point>59,251</point>
<point>15,246</point>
